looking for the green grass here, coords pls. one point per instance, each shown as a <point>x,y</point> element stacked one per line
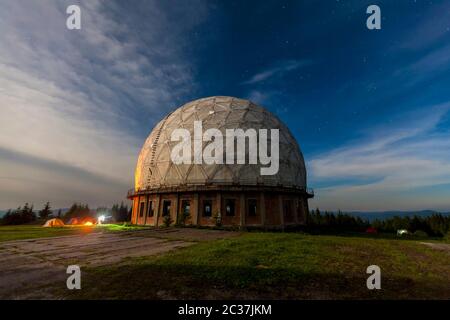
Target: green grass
<point>276,266</point>
<point>120,227</point>
<point>265,266</point>
<point>8,233</point>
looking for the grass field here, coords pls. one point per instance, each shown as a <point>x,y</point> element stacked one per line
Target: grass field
<point>20,232</point>
<point>263,266</point>
<point>277,266</point>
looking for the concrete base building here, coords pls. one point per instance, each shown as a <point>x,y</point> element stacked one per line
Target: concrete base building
<point>229,194</point>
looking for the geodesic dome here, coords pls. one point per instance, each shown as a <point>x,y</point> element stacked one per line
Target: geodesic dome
<point>156,170</point>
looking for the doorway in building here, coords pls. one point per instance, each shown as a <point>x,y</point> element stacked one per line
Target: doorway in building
<point>185,212</point>
<point>166,208</point>
<point>230,205</point>
<point>207,208</point>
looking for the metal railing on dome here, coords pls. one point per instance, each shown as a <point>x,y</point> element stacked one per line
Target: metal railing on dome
<point>132,192</point>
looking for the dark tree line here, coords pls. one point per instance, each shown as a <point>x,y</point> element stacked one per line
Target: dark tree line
<point>21,215</point>
<point>121,213</point>
<point>78,210</point>
<point>25,214</point>
<point>436,225</point>
<point>335,222</point>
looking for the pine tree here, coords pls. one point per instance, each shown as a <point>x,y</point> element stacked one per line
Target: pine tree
<point>46,211</point>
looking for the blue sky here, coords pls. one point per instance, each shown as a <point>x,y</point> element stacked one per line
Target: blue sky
<point>369,108</point>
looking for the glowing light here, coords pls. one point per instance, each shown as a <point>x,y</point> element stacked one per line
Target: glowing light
<point>88,223</point>
<point>101,219</point>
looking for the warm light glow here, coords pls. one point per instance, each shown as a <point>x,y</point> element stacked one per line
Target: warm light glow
<point>88,223</point>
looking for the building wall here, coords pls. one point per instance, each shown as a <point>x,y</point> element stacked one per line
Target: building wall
<point>135,210</point>
<point>271,209</point>
<point>272,205</point>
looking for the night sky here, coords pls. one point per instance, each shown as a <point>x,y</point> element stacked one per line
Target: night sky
<point>370,108</point>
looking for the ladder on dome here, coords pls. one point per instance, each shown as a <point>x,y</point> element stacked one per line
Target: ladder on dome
<point>154,145</point>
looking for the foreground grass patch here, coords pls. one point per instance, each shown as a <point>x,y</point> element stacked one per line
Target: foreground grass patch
<point>9,233</point>
<point>276,266</point>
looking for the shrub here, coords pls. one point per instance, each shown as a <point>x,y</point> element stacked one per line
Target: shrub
<point>420,234</point>
<point>184,217</point>
<point>167,220</point>
<point>447,236</point>
<point>218,219</point>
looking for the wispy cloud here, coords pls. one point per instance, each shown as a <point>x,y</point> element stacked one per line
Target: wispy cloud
<point>434,25</point>
<point>392,167</point>
<point>258,96</point>
<point>78,98</point>
<point>278,69</point>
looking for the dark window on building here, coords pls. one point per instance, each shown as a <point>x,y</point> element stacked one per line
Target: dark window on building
<point>207,208</point>
<point>166,207</point>
<point>252,207</point>
<point>151,209</point>
<point>230,207</point>
<point>186,207</point>
<point>141,209</point>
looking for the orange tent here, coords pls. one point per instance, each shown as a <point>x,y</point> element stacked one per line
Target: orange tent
<point>53,223</point>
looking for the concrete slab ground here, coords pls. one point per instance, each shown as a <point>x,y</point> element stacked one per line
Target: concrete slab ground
<point>28,265</point>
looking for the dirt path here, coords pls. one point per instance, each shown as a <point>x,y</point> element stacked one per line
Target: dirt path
<point>28,265</point>
<point>438,246</point>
